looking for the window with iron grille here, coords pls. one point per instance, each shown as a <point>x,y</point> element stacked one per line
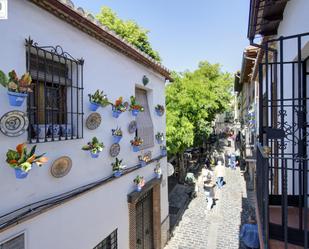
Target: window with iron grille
<point>55,106</point>
<point>143,120</point>
<point>17,242</point>
<point>110,242</point>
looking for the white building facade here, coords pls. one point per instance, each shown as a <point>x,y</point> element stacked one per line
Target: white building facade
<point>103,210</point>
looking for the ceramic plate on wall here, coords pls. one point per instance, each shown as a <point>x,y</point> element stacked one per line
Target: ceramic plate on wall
<point>114,150</point>
<point>132,127</point>
<point>61,167</point>
<point>93,121</point>
<point>14,123</point>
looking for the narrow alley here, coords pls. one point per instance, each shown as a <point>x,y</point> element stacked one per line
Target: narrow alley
<point>200,228</point>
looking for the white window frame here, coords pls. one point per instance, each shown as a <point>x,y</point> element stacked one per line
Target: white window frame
<point>24,232</point>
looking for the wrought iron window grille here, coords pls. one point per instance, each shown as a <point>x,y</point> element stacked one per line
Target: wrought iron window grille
<point>110,242</point>
<point>55,107</point>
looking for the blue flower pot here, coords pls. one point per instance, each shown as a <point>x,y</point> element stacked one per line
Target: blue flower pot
<point>159,113</point>
<point>94,155</point>
<point>93,106</point>
<point>135,112</point>
<point>163,152</point>
<point>135,148</point>
<point>159,141</point>
<point>117,173</point>
<point>138,188</point>
<point>143,163</point>
<point>116,139</point>
<point>20,174</point>
<point>116,114</point>
<point>158,176</point>
<point>16,99</point>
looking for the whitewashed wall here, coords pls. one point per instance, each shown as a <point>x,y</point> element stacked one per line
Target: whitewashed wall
<point>85,221</point>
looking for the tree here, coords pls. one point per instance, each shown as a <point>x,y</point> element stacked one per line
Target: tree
<point>128,30</point>
<point>192,101</point>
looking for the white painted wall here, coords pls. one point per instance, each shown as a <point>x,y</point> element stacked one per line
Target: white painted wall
<point>85,221</point>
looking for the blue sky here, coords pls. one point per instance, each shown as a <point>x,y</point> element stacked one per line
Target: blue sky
<point>186,32</point>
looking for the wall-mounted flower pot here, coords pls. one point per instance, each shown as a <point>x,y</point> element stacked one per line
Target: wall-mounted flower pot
<point>159,141</point>
<point>117,173</point>
<point>145,80</point>
<point>116,114</point>
<point>116,139</point>
<point>93,106</point>
<point>158,176</point>
<point>163,152</point>
<point>159,113</point>
<point>20,174</point>
<point>135,148</point>
<point>94,155</point>
<point>143,163</point>
<point>135,112</point>
<point>16,99</point>
<point>138,188</point>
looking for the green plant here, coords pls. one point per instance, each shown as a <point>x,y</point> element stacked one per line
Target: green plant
<point>137,141</point>
<point>160,108</point>
<point>139,180</point>
<point>14,84</point>
<point>157,169</point>
<point>117,165</point>
<point>94,146</point>
<point>117,132</point>
<point>134,105</point>
<point>119,105</point>
<point>99,98</point>
<point>21,159</point>
<point>160,136</point>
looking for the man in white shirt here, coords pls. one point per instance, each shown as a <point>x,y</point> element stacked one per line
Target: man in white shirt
<point>220,174</point>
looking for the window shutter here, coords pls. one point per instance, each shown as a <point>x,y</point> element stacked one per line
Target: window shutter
<point>15,243</point>
<point>143,119</point>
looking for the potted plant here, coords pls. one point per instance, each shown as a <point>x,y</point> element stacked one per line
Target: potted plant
<point>139,182</point>
<point>163,150</point>
<point>98,99</point>
<point>144,160</point>
<point>160,137</point>
<point>95,147</point>
<point>136,143</point>
<point>158,170</point>
<point>160,110</point>
<point>21,161</point>
<point>18,89</point>
<point>117,135</point>
<point>135,107</point>
<point>117,167</point>
<point>119,107</point>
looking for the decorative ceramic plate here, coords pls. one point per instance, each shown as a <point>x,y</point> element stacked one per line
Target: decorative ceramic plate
<point>93,121</point>
<point>61,167</point>
<point>132,127</point>
<point>114,150</point>
<point>14,123</point>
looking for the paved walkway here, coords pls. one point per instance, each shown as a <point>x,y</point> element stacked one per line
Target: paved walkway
<point>219,227</point>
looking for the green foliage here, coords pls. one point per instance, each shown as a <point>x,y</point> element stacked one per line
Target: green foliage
<point>95,146</point>
<point>128,30</point>
<point>3,79</point>
<point>99,98</point>
<point>117,165</point>
<point>192,101</point>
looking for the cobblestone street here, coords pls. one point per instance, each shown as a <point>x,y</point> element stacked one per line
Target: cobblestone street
<point>218,228</point>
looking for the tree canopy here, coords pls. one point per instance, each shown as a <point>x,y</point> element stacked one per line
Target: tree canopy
<point>193,100</point>
<point>128,30</point>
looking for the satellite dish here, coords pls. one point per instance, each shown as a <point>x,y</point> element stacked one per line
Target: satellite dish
<point>170,169</point>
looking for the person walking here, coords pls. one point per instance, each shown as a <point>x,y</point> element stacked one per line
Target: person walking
<point>220,174</point>
<point>249,234</point>
<point>208,174</point>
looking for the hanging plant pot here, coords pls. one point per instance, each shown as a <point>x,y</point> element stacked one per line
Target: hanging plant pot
<point>116,114</point>
<point>20,174</point>
<point>159,113</point>
<point>117,173</point>
<point>145,80</point>
<point>160,141</point>
<point>16,99</point>
<point>135,148</point>
<point>94,155</point>
<point>138,188</point>
<point>158,175</point>
<point>163,152</point>
<point>93,106</point>
<point>116,139</point>
<point>135,112</point>
<point>143,163</point>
